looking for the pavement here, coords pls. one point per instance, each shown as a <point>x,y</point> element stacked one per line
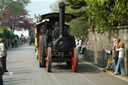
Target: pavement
<point>24,70</point>
<point>108,72</point>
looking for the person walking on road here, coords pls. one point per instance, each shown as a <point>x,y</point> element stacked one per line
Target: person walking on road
<point>2,53</point>
<point>5,56</point>
<point>120,59</point>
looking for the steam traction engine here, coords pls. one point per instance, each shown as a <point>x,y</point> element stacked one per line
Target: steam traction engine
<point>54,42</point>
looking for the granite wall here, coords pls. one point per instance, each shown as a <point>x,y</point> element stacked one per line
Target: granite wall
<point>98,43</point>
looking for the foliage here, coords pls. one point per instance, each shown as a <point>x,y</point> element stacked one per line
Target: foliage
<point>15,16</point>
<point>76,8</point>
<point>54,7</point>
<point>79,27</point>
<point>104,14</point>
<point>25,2</point>
<point>4,3</point>
<point>76,4</point>
<point>16,7</point>
<point>12,35</point>
<point>6,34</point>
<point>13,4</point>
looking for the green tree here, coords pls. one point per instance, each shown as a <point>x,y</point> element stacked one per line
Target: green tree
<point>14,13</point>
<point>107,13</point>
<point>3,4</point>
<point>5,33</point>
<point>79,27</point>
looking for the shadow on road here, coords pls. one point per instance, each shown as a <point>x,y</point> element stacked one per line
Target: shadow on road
<point>85,68</point>
<point>82,68</point>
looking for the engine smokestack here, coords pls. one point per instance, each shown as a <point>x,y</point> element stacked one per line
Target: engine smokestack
<point>61,18</point>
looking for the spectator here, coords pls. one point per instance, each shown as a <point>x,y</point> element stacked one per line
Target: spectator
<point>9,43</point>
<point>79,43</point>
<point>86,41</point>
<point>116,52</point>
<point>120,60</point>
<point>2,53</point>
<point>83,48</point>
<point>22,38</point>
<point>12,43</point>
<point>15,42</point>
<point>113,60</point>
<point>5,56</point>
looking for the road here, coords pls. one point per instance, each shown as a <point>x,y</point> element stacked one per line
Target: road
<point>24,70</point>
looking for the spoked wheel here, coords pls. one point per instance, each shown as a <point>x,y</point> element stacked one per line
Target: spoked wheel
<point>39,51</point>
<point>42,57</point>
<point>75,60</point>
<point>42,51</point>
<point>69,64</point>
<point>48,59</point>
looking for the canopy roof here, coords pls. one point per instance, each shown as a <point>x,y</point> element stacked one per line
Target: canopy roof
<point>68,17</point>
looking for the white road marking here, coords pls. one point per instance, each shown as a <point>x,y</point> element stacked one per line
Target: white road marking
<point>90,81</point>
<point>57,81</point>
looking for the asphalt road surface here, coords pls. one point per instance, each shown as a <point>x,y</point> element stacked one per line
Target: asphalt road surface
<point>24,70</point>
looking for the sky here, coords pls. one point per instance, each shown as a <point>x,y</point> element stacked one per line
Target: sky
<point>40,7</point>
<point>37,7</point>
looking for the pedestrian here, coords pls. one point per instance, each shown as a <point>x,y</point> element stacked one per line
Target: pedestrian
<point>12,42</point>
<point>86,41</point>
<point>120,59</point>
<point>116,53</point>
<point>9,43</point>
<point>1,73</point>
<point>5,56</point>
<point>2,53</point>
<point>79,43</point>
<point>15,42</point>
<point>83,48</point>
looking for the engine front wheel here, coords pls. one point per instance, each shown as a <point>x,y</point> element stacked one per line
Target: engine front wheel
<point>48,59</point>
<point>75,60</point>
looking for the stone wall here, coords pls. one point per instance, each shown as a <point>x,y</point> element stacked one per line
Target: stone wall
<point>99,42</point>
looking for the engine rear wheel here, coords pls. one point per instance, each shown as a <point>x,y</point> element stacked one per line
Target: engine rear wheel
<point>42,61</point>
<point>42,57</point>
<point>48,59</point>
<point>69,64</point>
<point>39,52</point>
<point>75,60</point>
